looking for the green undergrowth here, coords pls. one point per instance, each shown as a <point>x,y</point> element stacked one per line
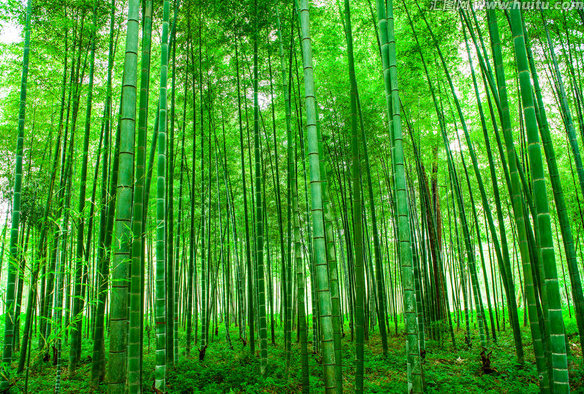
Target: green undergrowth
<point>230,370</point>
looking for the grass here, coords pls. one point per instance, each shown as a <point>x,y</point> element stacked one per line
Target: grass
<point>224,370</point>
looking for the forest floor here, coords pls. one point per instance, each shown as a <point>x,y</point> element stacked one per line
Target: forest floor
<point>446,369</point>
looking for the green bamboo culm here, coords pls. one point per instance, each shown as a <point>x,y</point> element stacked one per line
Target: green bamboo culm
<point>171,258</point>
<point>193,239</point>
<point>160,314</point>
<point>414,367</point>
<point>357,213</point>
<point>248,261</point>
<point>517,202</point>
<point>106,200</point>
<point>137,263</point>
<point>78,301</point>
<point>287,274</point>
<point>316,208</point>
<point>331,259</point>
<point>259,244</point>
<point>559,379</point>
<point>118,352</point>
<point>15,222</point>
<point>389,62</point>
<point>303,335</point>
<point>556,182</point>
<point>61,251</point>
<point>381,297</point>
<point>205,228</point>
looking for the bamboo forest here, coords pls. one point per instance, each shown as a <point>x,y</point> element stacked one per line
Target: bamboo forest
<point>326,196</point>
